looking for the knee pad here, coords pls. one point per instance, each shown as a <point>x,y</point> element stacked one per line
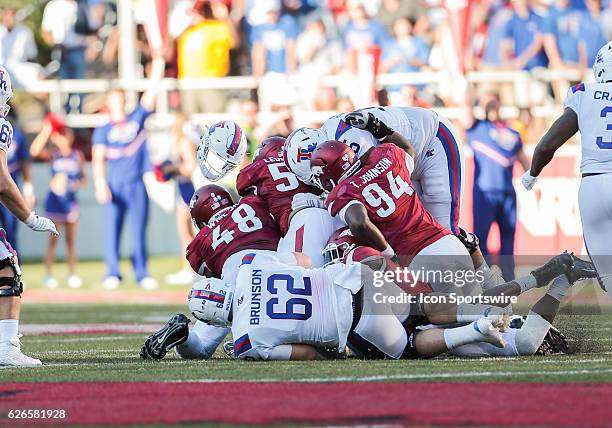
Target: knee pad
<point>14,284</point>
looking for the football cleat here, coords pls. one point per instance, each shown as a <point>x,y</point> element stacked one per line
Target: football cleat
<point>556,266</point>
<point>173,333</point>
<point>11,355</point>
<point>581,269</point>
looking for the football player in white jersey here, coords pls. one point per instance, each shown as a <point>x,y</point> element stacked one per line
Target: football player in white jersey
<point>588,109</point>
<point>10,274</point>
<point>282,311</point>
<point>438,153</point>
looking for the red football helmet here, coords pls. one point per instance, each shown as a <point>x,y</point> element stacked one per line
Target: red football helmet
<point>269,147</point>
<point>206,202</point>
<point>332,162</point>
<point>338,246</point>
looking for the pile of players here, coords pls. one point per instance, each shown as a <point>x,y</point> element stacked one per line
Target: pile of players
<point>293,269</point>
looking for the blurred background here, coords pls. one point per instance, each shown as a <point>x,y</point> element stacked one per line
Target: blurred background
<point>272,66</point>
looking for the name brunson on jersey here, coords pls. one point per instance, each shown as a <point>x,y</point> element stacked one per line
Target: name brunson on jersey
<point>380,168</point>
<point>255,297</point>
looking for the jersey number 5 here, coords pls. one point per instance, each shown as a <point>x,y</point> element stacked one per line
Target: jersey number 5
<point>606,145</point>
<point>245,218</point>
<point>293,303</point>
<point>375,196</point>
<point>279,171</point>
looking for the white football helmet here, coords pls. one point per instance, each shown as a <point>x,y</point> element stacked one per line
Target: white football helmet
<point>6,91</point>
<point>335,128</point>
<point>298,150</point>
<point>221,149</point>
<point>210,301</point>
<point>602,68</point>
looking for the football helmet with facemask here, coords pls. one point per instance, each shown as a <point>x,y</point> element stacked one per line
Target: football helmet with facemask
<point>298,150</point>
<point>332,162</point>
<point>338,246</point>
<point>270,147</point>
<point>6,91</point>
<point>222,148</point>
<point>206,202</point>
<point>602,68</point>
<point>210,301</point>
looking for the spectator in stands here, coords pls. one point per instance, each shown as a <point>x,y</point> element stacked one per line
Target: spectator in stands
<point>361,34</point>
<point>391,10</point>
<point>522,48</point>
<point>496,23</point>
<point>61,205</point>
<point>204,51</point>
<point>119,160</point>
<point>562,39</point>
<point>592,29</point>
<point>406,52</point>
<point>496,148</point>
<point>19,166</point>
<point>17,47</point>
<point>274,42</point>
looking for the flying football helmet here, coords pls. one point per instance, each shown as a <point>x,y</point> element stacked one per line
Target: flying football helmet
<point>210,301</point>
<point>222,148</point>
<point>602,68</point>
<point>298,150</point>
<point>338,246</point>
<point>6,91</point>
<point>269,147</point>
<point>206,202</point>
<point>332,162</point>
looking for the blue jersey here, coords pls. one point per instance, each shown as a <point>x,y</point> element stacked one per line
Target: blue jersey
<point>127,157</point>
<point>565,25</point>
<point>363,36</point>
<point>274,38</point>
<point>593,35</point>
<point>495,37</point>
<point>523,32</point>
<point>495,147</point>
<point>17,153</point>
<point>68,165</point>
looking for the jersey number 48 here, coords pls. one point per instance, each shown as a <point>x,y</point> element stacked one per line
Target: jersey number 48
<point>246,220</point>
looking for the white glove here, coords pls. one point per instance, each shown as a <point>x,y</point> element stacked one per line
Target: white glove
<point>528,180</point>
<point>306,200</point>
<point>41,224</point>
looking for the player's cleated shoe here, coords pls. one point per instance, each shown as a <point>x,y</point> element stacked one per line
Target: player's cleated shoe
<point>148,283</point>
<point>51,282</point>
<point>556,266</point>
<point>173,333</point>
<point>182,277</point>
<point>581,269</point>
<point>554,343</point>
<point>11,355</point>
<point>74,282</point>
<point>489,333</point>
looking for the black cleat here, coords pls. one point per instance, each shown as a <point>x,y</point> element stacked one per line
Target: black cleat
<point>581,269</point>
<point>554,343</point>
<point>173,333</point>
<point>556,266</point>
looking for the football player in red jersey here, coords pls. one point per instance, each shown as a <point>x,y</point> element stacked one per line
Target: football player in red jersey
<point>304,222</point>
<point>227,231</point>
<point>373,195</point>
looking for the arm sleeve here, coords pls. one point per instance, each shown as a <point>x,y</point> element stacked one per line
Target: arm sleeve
<point>574,95</point>
<point>245,182</point>
<point>98,137</point>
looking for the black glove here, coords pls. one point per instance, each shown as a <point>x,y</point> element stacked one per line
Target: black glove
<point>469,240</point>
<point>367,121</point>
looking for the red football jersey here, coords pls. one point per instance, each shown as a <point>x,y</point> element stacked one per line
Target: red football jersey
<point>244,226</point>
<point>383,186</point>
<point>273,182</point>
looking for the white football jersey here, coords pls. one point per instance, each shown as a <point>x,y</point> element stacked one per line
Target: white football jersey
<point>592,103</point>
<point>417,124</point>
<point>278,304</point>
<point>6,134</point>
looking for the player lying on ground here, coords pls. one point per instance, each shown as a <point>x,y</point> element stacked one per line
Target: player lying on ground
<point>11,286</point>
<point>587,109</point>
<point>526,336</point>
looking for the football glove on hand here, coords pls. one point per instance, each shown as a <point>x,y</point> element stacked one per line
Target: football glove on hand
<point>528,180</point>
<point>306,200</point>
<point>367,121</point>
<point>41,224</point>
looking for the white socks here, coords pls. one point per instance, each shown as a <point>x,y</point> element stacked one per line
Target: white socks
<point>8,329</point>
<point>527,282</point>
<point>454,337</point>
<point>558,287</point>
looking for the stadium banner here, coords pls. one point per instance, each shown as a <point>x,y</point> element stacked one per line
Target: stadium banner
<point>548,216</point>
